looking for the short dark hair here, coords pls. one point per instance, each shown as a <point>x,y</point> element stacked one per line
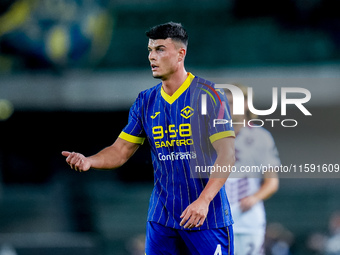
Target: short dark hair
<point>172,30</point>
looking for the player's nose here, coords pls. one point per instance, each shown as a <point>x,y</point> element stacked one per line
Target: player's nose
<point>152,55</point>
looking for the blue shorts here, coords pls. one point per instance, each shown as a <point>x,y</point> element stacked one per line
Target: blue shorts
<point>162,240</point>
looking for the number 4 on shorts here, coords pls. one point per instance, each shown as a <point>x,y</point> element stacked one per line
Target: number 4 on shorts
<point>218,250</point>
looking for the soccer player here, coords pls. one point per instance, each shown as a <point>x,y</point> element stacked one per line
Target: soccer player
<point>254,146</point>
<point>188,212</point>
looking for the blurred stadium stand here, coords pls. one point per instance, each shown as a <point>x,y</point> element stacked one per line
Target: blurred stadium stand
<point>72,69</point>
<point>42,34</point>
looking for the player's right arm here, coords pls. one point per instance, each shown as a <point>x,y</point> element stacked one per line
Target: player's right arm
<point>110,157</point>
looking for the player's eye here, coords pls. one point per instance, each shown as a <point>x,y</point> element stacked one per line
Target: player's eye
<point>160,49</point>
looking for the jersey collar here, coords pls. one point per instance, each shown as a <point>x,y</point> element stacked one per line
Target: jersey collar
<point>179,91</point>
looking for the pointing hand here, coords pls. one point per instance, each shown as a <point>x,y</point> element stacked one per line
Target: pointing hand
<point>77,161</point>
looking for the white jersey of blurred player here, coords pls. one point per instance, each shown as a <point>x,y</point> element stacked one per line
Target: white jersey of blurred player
<point>254,146</point>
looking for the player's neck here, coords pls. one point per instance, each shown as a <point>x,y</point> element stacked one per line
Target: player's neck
<point>171,84</point>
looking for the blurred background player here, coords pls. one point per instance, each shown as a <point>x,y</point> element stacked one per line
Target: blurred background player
<point>254,146</point>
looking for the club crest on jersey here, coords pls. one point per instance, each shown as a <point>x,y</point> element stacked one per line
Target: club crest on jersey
<point>187,112</point>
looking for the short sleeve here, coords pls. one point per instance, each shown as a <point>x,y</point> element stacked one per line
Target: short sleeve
<point>134,131</point>
<point>219,123</point>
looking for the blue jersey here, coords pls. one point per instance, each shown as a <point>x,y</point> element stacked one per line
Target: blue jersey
<point>181,129</point>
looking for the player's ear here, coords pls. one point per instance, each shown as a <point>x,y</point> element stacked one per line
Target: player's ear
<point>181,54</point>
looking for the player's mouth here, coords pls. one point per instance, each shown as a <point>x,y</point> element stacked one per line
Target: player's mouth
<point>154,67</point>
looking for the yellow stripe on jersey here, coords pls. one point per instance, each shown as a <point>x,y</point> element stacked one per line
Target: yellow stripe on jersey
<point>221,135</point>
<point>131,138</point>
<point>179,91</point>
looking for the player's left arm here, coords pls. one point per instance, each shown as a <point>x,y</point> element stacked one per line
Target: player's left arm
<point>195,214</point>
<point>269,186</point>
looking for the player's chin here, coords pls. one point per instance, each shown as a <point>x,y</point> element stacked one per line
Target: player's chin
<point>156,75</point>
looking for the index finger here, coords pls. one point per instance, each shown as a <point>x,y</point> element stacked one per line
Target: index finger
<point>65,153</point>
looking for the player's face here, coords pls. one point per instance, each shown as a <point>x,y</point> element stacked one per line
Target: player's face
<point>164,56</point>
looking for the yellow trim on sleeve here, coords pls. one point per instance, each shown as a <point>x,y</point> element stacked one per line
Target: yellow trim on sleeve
<point>221,135</point>
<point>131,138</point>
<point>179,91</point>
